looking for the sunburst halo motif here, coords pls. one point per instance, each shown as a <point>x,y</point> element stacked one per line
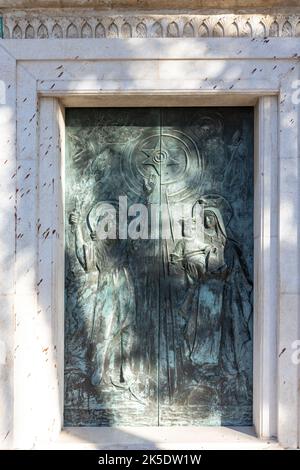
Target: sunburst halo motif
<point>160,159</point>
<point>171,155</point>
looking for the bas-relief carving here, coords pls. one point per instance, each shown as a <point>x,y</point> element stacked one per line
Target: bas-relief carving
<point>159,327</point>
<point>90,25</point>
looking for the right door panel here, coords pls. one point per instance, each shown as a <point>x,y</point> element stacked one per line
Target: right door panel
<point>158,320</point>
<point>205,320</point>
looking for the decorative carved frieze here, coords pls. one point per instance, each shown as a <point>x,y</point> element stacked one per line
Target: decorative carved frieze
<point>21,25</point>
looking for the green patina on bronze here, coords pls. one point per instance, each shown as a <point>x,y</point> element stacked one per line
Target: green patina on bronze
<point>159,331</point>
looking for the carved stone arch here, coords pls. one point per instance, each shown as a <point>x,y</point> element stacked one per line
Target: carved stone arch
<point>29,32</point>
<point>257,26</point>
<point>156,30</point>
<point>188,30</point>
<point>297,29</point>
<point>86,30</point>
<point>287,30</point>
<point>247,30</point>
<point>57,32</point>
<point>172,30</point>
<point>126,30</point>
<point>113,31</point>
<point>211,23</point>
<point>141,30</point>
<point>17,32</point>
<point>203,30</point>
<point>233,30</point>
<point>274,29</point>
<point>42,32</point>
<point>100,31</point>
<point>239,21</point>
<point>72,31</point>
<point>261,30</point>
<point>218,30</point>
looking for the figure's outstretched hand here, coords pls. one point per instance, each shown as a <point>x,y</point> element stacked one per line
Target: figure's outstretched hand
<point>74,218</point>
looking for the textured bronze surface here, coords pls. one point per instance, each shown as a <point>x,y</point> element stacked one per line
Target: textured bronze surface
<point>159,330</point>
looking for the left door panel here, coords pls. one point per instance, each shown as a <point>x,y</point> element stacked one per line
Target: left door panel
<point>111,285</point>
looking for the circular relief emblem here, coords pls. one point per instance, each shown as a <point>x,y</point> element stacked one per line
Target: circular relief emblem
<point>171,155</point>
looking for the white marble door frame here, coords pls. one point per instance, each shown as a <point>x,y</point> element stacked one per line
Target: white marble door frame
<point>38,78</point>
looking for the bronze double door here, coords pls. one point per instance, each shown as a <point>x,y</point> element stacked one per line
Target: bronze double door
<point>158,266</point>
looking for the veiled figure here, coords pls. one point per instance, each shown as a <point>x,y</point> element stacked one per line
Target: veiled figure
<point>216,312</point>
